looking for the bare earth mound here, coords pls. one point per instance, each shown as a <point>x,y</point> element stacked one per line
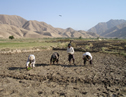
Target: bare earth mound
<point>105,78</point>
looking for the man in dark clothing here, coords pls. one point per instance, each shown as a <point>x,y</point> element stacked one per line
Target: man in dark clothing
<point>54,58</point>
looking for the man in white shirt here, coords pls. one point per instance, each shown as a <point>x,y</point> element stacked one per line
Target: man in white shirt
<point>87,57</point>
<point>30,61</point>
<point>70,51</point>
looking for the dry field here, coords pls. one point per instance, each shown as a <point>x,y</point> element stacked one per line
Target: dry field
<point>105,78</point>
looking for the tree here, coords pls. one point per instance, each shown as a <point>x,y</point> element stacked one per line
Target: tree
<point>11,37</point>
<point>80,37</point>
<point>116,38</point>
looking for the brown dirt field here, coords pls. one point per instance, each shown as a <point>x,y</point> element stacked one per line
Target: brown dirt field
<point>105,78</point>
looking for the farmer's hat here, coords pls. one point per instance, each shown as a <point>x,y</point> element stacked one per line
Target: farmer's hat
<point>31,58</point>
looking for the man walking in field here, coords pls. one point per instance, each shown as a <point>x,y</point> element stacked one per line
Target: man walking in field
<point>54,58</point>
<point>30,61</point>
<point>70,51</point>
<point>87,57</point>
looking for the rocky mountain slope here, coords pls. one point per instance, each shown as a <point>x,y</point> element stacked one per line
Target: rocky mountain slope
<point>108,28</point>
<point>118,31</point>
<point>20,27</point>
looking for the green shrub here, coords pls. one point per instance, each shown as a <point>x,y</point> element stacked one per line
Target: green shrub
<point>80,37</point>
<point>11,37</point>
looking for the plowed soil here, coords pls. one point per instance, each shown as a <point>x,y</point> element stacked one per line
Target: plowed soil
<point>106,77</point>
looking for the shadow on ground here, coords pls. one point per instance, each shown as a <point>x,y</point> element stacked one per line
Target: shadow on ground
<point>16,68</point>
<point>37,65</point>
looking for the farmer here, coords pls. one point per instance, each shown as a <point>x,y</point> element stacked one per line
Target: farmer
<point>30,61</point>
<point>54,58</point>
<point>87,57</point>
<point>70,51</point>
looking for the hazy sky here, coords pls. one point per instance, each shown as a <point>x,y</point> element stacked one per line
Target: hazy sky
<point>77,14</point>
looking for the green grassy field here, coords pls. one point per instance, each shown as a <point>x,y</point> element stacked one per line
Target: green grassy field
<point>44,43</point>
<point>41,43</point>
<point>25,43</point>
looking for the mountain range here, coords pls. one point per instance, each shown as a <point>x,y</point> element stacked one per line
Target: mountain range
<point>111,29</point>
<point>22,28</point>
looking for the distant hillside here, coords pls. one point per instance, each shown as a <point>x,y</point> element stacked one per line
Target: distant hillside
<point>118,31</point>
<point>104,26</point>
<point>69,32</point>
<point>37,26</point>
<point>19,28</point>
<point>12,20</point>
<point>8,30</point>
<point>41,28</point>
